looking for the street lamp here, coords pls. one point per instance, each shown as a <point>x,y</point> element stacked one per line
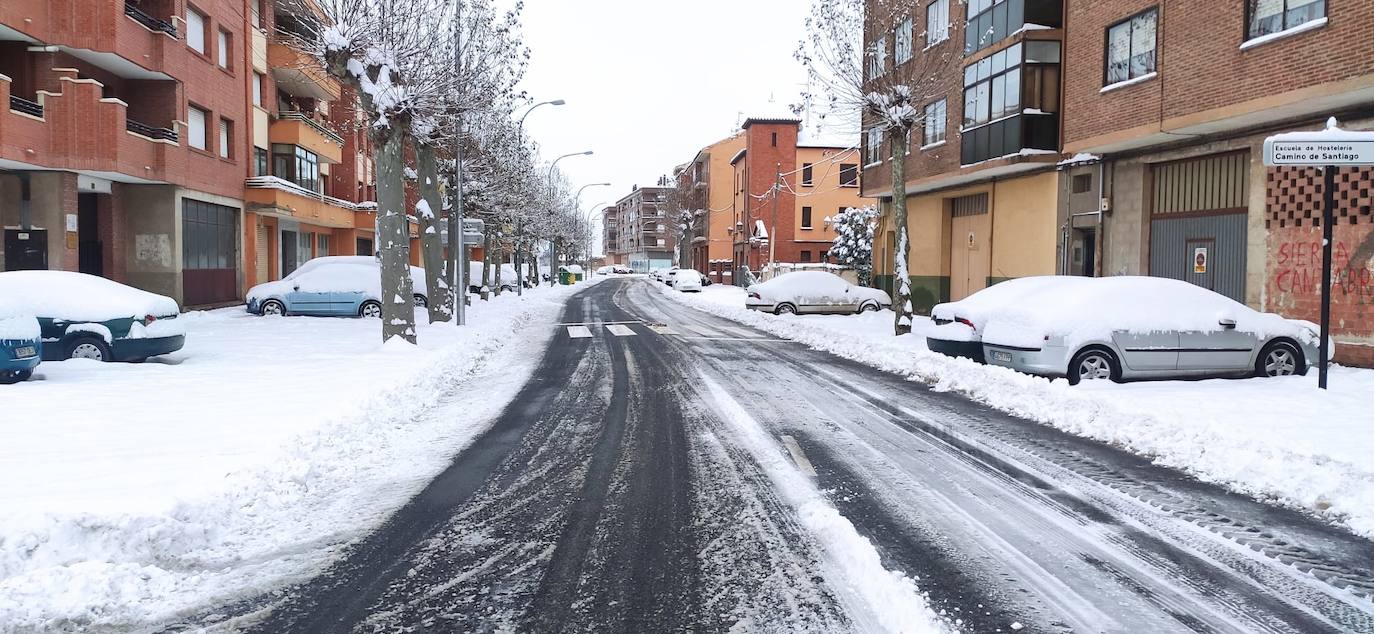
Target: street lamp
<point>553,247</point>
<point>577,207</point>
<point>520,226</point>
<point>591,216</point>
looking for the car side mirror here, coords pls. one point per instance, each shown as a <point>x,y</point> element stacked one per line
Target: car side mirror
<point>297,287</point>
<point>1227,323</point>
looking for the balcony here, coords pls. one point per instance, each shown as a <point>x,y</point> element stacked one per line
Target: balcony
<point>1007,17</point>
<point>274,196</point>
<point>151,132</point>
<point>296,128</point>
<point>24,106</point>
<point>301,75</point>
<point>131,9</point>
<point>1024,134</point>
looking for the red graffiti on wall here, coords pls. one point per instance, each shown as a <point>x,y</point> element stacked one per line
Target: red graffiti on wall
<point>1299,269</point>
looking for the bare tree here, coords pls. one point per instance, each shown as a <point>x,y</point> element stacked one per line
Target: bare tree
<point>849,81</point>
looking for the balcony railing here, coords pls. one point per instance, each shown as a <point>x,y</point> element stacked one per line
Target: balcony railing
<point>142,129</point>
<point>291,115</point>
<point>31,108</point>
<point>132,10</point>
<point>273,182</point>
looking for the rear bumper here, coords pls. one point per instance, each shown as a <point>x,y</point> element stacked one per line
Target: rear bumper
<point>1048,361</point>
<point>767,308</point>
<point>137,349</point>
<point>11,365</point>
<point>966,349</point>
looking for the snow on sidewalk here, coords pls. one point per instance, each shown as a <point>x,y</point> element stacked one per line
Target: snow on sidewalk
<point>1278,439</point>
<point>135,493</point>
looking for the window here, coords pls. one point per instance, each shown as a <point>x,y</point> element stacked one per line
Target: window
<point>195,124</point>
<point>322,245</point>
<point>257,89</point>
<point>260,162</point>
<point>989,22</point>
<point>775,139</point>
<point>226,133</point>
<point>1131,47</point>
<point>1082,183</point>
<point>806,218</point>
<point>195,30</point>
<point>901,38</point>
<point>224,49</point>
<point>825,256</point>
<point>936,120</point>
<point>806,257</point>
<point>873,149</point>
<point>257,12</point>
<point>937,22</point>
<point>1273,16</point>
<point>298,165</point>
<point>877,58</point>
<point>849,175</point>
<point>209,235</point>
<point>807,173</point>
<point>992,87</point>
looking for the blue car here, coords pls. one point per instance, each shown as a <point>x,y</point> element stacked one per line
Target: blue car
<point>334,286</point>
<point>87,317</point>
<point>21,348</point>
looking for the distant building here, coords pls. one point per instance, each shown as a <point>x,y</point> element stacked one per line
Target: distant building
<point>643,241</point>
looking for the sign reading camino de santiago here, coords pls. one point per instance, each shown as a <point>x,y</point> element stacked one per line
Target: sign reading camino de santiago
<point>1331,146</point>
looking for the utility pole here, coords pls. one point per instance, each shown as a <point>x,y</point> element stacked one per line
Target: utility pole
<point>459,278</point>
<point>773,230</point>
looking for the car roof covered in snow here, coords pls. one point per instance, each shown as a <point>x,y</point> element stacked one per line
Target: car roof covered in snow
<point>77,297</point>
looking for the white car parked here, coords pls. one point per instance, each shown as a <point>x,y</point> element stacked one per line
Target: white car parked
<point>687,281</point>
<point>814,292</point>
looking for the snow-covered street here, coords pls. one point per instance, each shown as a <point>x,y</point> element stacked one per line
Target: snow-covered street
<point>1280,439</point>
<point>244,460</point>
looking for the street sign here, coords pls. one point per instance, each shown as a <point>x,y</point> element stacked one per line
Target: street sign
<point>473,225</point>
<point>1330,150</point>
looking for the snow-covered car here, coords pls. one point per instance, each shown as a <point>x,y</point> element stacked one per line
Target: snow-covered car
<point>687,281</point>
<point>1130,327</point>
<point>87,317</point>
<point>813,292</point>
<point>605,270</point>
<point>333,286</point>
<point>21,346</point>
<point>510,281</point>
<point>623,270</point>
<point>959,325</point>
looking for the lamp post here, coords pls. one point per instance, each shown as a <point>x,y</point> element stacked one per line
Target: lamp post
<point>591,222</point>
<point>520,224</point>
<point>577,205</point>
<point>553,247</point>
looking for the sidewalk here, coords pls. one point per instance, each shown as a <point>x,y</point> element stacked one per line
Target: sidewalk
<point>246,460</point>
<point>1282,440</point>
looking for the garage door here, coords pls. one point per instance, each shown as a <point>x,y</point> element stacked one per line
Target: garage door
<point>970,254</point>
<point>209,250</point>
<point>261,257</point>
<point>1198,225</point>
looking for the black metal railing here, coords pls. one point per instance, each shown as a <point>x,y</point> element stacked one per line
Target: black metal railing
<point>31,108</point>
<point>132,10</point>
<point>142,129</point>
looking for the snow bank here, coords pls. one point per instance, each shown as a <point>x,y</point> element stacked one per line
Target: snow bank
<point>1313,452</point>
<point>245,461</point>
<point>77,297</point>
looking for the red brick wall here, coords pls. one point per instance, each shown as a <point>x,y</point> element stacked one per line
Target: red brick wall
<point>1293,275</point>
<point>111,212</point>
<point>764,161</point>
<point>1200,63</point>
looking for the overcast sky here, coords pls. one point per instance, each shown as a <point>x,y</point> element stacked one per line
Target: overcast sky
<point>650,82</point>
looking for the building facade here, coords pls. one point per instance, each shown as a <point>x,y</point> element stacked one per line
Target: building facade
<point>185,148</point>
<point>643,240</point>
<point>784,188</point>
<point>980,172</point>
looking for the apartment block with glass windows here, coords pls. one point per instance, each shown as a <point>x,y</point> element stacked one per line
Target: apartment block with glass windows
<point>980,176</point>
<point>122,147</point>
<point>1171,111</point>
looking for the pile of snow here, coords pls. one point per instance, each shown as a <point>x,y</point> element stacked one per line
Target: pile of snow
<point>138,494</point>
<point>1313,453</point>
<point>77,297</point>
<point>571,268</point>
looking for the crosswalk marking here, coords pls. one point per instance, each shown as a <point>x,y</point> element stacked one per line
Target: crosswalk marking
<point>579,332</point>
<point>620,331</point>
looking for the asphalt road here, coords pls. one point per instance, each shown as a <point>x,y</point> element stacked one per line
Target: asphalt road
<point>614,496</point>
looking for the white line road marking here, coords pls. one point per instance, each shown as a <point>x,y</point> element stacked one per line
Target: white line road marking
<point>620,331</point>
<point>662,330</point>
<point>798,456</point>
<point>579,332</point>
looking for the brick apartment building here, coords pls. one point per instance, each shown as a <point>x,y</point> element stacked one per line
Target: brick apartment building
<point>643,239</point>
<point>1161,117</point>
<point>178,146</point>
<point>784,186</point>
<point>610,237</point>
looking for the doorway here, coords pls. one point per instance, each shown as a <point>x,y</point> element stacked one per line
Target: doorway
<point>970,251</point>
<point>26,249</point>
<point>1083,253</point>
<point>90,250</point>
<point>288,252</point>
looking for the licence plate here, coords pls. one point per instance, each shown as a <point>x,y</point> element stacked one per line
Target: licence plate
<point>998,355</point>
<point>26,351</point>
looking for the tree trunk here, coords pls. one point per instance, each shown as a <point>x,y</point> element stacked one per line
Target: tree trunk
<point>486,262</point>
<point>901,278</point>
<point>499,255</point>
<point>393,237</point>
<point>432,248</point>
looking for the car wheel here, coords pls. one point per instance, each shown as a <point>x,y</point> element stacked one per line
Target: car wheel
<point>89,348</point>
<point>10,378</point>
<point>370,309</point>
<point>1094,364</point>
<point>273,307</point>
<point>420,301</point>
<point>1280,358</point>
<point>870,307</point>
<point>785,309</point>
